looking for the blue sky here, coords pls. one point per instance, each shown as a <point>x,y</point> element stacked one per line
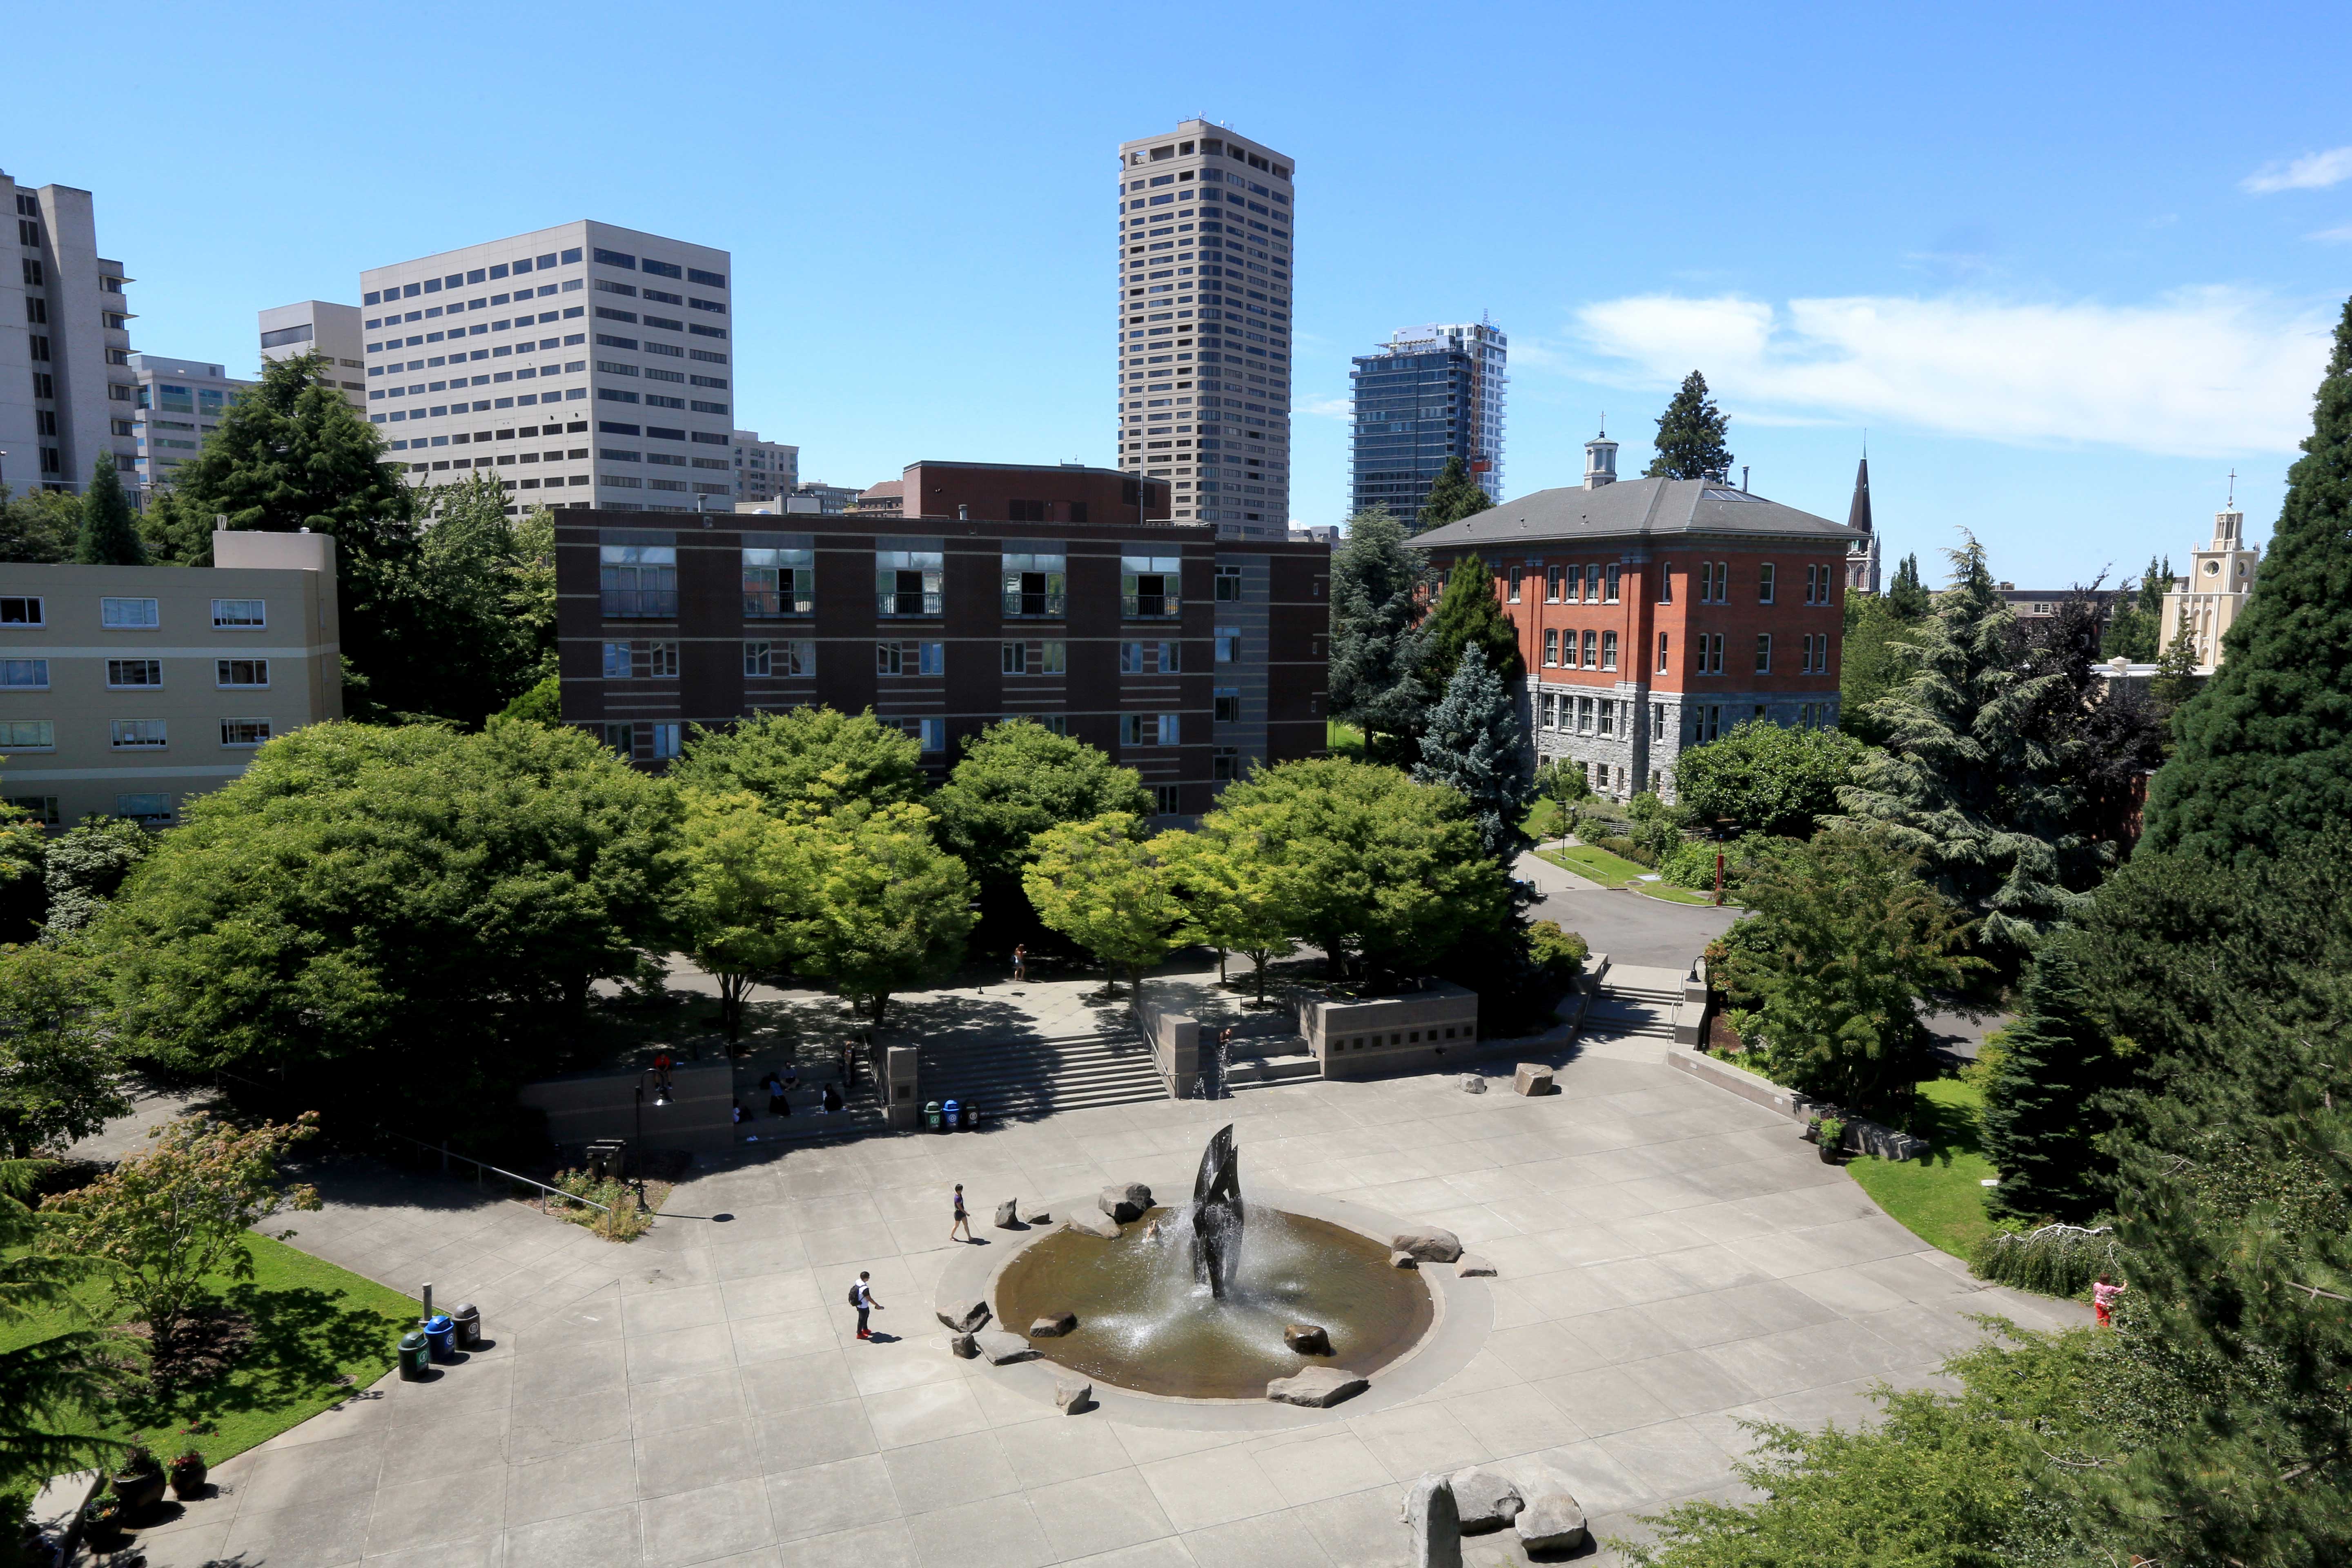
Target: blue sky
<point>2069,269</point>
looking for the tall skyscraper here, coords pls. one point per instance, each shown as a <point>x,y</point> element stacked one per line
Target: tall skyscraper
<point>1432,392</point>
<point>66,384</point>
<point>574,374</point>
<point>319,327</point>
<point>1205,237</point>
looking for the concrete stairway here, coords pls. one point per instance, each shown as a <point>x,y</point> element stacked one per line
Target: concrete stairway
<point>1029,1078</point>
<point>1637,1001</point>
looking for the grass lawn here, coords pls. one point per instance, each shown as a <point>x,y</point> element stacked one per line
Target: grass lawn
<point>1937,1196</point>
<point>1598,864</point>
<point>1343,739</point>
<point>320,1333</point>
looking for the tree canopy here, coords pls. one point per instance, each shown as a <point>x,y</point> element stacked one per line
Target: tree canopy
<point>1453,496</point>
<point>1475,745</point>
<point>1767,777</point>
<point>806,759</point>
<point>1691,435</point>
<point>1014,781</point>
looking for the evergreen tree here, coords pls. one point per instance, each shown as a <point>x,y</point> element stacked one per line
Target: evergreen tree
<point>1909,597</point>
<point>1375,654</point>
<point>1453,495</point>
<point>1691,434</point>
<point>2266,757</point>
<point>108,535</point>
<point>1475,745</point>
<point>1468,615</point>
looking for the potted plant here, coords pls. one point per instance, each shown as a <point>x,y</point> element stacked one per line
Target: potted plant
<point>188,1471</point>
<point>1832,1133</point>
<point>139,1482</point>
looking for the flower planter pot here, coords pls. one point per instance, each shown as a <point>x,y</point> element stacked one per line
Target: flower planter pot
<point>188,1479</point>
<point>139,1491</point>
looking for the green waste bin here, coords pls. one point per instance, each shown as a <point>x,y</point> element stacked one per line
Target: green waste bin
<point>414,1354</point>
<point>931,1116</point>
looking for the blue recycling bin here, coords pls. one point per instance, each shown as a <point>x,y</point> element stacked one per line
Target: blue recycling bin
<point>949,1112</point>
<point>441,1335</point>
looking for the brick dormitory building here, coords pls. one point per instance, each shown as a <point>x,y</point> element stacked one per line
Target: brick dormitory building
<point>1184,656</point>
<point>1656,614</point>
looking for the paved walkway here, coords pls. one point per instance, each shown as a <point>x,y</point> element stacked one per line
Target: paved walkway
<point>1673,1261</point>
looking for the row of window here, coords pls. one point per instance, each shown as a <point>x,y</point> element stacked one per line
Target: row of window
<point>1592,584</point>
<point>658,660</point>
<point>124,735</point>
<point>133,674</point>
<point>137,615</point>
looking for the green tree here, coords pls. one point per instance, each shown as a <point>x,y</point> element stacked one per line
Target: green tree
<point>179,1211</point>
<point>1691,434</point>
<point>1767,777</point>
<point>1477,746</point>
<point>40,527</point>
<point>1375,668</point>
<point>1101,886</point>
<point>807,760</point>
<point>1909,597</point>
<point>883,908</point>
<point>57,1062</point>
<point>1453,496</point>
<point>1237,899</point>
<point>1016,780</point>
<point>1832,966</point>
<point>108,536</point>
<point>360,891</point>
<point>2265,749</point>
<point>741,886</point>
<point>1468,615</point>
<point>1389,875</point>
<point>60,1368</point>
<point>83,867</point>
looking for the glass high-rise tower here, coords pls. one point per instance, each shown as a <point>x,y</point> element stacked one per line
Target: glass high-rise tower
<point>1204,265</point>
<point>1432,392</point>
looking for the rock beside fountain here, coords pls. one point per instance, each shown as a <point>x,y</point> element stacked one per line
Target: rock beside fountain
<point>1318,1387</point>
<point>965,1346</point>
<point>1473,1083</point>
<point>1054,1325</point>
<point>973,1319</point>
<point>1102,1226</point>
<point>1474,1267</point>
<point>1003,1348</point>
<point>1073,1397</point>
<point>1485,1499</point>
<point>1552,1521</point>
<point>1403,1259</point>
<point>1126,1201</point>
<point>1428,1513</point>
<point>1532,1079</point>
<point>1306,1339</point>
<point>1008,1214</point>
<point>1428,1245</point>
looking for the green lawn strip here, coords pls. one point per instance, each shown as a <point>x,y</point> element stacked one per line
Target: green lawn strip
<point>314,1325</point>
<point>1597,864</point>
<point>1938,1197</point>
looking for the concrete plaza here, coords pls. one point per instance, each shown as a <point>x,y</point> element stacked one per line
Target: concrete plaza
<point>1673,1261</point>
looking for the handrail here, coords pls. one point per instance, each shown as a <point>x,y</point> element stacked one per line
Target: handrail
<point>481,1166</point>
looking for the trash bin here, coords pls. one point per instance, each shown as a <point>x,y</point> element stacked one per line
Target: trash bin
<point>949,1114</point>
<point>413,1356</point>
<point>468,1321</point>
<point>931,1116</point>
<point>440,1335</point>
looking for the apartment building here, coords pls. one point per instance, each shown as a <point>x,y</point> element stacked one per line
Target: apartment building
<point>1205,324</point>
<point>1657,615</point>
<point>1430,394</point>
<point>126,689</point>
<point>586,359</point>
<point>1183,655</point>
<point>329,330</point>
<point>65,388</point>
<point>765,471</point>
<point>179,403</point>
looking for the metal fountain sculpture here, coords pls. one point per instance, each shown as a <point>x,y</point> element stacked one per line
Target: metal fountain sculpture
<point>1216,1215</point>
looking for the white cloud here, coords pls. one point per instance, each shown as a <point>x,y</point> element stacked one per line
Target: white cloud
<point>2312,172</point>
<point>2209,372</point>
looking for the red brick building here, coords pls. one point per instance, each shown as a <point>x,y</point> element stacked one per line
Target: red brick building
<point>1656,615</point>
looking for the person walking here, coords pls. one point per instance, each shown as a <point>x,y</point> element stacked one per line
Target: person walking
<point>2102,1300</point>
<point>962,1218</point>
<point>861,1296</point>
<point>1020,963</point>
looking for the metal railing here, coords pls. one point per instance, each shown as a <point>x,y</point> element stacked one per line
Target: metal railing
<point>481,1166</point>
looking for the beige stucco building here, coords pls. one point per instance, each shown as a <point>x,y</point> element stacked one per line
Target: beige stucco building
<point>125,690</point>
<point>2207,601</point>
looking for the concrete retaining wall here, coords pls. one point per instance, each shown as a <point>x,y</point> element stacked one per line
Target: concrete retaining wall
<point>1862,1136</point>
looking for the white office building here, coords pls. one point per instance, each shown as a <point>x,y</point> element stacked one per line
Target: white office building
<point>180,402</point>
<point>319,327</point>
<point>1204,270</point>
<point>765,471</point>
<point>585,358</point>
<point>67,391</point>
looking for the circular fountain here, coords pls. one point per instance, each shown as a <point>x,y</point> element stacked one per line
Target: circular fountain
<point>1196,1301</point>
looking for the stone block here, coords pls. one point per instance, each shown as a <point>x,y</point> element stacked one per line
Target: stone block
<point>1100,1225</point>
<point>1054,1325</point>
<point>1485,1499</point>
<point>1430,1245</point>
<point>1533,1077</point>
<point>1072,1398</point>
<point>1008,1214</point>
<point>1318,1387</point>
<point>964,1345</point>
<point>1473,1083</point>
<point>970,1320</point>
<point>1472,1267</point>
<point>1002,1348</point>
<point>1551,1522</point>
<point>1429,1514</point>
<point>1306,1339</point>
<point>1125,1201</point>
<point>1403,1259</point>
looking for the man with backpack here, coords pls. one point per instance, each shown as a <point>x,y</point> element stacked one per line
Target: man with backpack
<point>861,1296</point>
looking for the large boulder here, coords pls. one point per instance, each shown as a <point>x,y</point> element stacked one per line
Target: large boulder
<point>1428,1513</point>
<point>1003,1348</point>
<point>1532,1079</point>
<point>973,1319</point>
<point>1316,1387</point>
<point>1485,1499</point>
<point>1126,1201</point>
<point>1551,1522</point>
<point>1054,1325</point>
<point>1306,1339</point>
<point>1100,1225</point>
<point>1430,1245</point>
<point>1008,1214</point>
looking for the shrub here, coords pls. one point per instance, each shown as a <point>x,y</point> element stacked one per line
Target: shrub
<point>2055,1260</point>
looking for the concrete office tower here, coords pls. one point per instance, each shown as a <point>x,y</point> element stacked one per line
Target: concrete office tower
<point>1204,240</point>
<point>596,362</point>
<point>317,327</point>
<point>765,471</point>
<point>1432,392</point>
<point>180,402</point>
<point>66,386</point>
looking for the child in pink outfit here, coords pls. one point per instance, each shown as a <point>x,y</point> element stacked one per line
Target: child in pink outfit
<point>2102,1300</point>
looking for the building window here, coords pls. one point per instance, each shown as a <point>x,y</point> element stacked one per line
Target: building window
<point>1764,585</point>
<point>132,615</point>
<point>638,581</point>
<point>1592,654</point>
<point>1608,650</point>
<point>20,610</point>
<point>129,672</point>
<point>1015,657</point>
<point>148,809</point>
<point>778,583</point>
<point>1229,584</point>
<point>1551,647</point>
<point>245,732</point>
<point>241,672</point>
<point>909,582</point>
<point>931,734</point>
<point>239,614</point>
<point>1035,580</point>
<point>27,735</point>
<point>1764,653</point>
<point>25,674</point>
<point>1150,586</point>
<point>1228,708</point>
<point>134,734</point>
